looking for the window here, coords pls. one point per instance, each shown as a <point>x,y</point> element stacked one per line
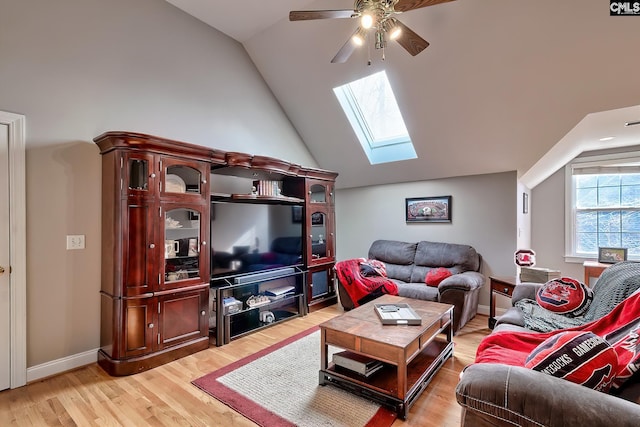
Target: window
<point>373,112</point>
<point>604,203</point>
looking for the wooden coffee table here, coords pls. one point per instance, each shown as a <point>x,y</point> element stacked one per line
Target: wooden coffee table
<point>412,354</point>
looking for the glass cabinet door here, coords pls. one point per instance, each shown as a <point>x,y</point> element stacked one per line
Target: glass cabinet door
<point>319,222</point>
<point>138,174</point>
<point>317,194</point>
<point>184,178</point>
<point>182,246</point>
<point>318,235</point>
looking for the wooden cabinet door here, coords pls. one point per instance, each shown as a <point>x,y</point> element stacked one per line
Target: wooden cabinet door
<point>138,324</point>
<point>139,247</point>
<point>184,316</point>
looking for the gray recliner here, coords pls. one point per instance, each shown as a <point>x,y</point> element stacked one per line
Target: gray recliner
<point>495,394</point>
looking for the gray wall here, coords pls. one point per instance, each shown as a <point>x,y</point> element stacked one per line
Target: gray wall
<point>484,215</point>
<point>77,68</point>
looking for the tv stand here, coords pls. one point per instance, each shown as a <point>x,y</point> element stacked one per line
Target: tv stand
<point>235,316</point>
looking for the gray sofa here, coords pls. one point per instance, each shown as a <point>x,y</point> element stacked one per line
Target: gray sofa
<point>407,265</point>
<point>493,394</point>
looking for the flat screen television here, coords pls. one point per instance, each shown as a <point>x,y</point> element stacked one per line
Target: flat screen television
<point>254,237</point>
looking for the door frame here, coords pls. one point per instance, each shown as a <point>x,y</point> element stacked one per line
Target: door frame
<point>17,248</point>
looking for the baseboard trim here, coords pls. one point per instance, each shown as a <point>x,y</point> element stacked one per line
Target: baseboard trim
<point>58,366</point>
<point>484,309</point>
<point>78,360</point>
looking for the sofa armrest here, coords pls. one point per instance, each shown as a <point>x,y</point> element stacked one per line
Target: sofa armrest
<point>525,290</point>
<point>505,395</point>
<point>465,281</point>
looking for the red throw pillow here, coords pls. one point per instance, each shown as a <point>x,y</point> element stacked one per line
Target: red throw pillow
<point>565,296</point>
<point>436,275</point>
<point>577,356</point>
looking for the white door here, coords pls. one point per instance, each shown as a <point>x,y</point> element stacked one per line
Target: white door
<point>5,295</point>
<point>13,253</point>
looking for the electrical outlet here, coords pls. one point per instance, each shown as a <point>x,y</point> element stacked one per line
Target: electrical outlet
<point>75,241</point>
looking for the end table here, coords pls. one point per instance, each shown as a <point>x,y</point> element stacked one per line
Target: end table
<point>502,285</point>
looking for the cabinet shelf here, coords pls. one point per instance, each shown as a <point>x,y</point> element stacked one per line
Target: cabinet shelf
<point>183,257</point>
<point>252,198</point>
<point>247,321</point>
<point>270,304</point>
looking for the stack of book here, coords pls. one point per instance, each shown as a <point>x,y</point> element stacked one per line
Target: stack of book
<point>538,274</point>
<point>267,188</point>
<point>361,365</point>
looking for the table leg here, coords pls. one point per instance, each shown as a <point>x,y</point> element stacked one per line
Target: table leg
<point>492,308</point>
<point>324,350</point>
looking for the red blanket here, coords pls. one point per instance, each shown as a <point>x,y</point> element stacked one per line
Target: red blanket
<point>620,328</point>
<point>362,288</point>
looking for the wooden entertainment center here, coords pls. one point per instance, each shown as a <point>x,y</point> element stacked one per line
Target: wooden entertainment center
<point>162,285</point>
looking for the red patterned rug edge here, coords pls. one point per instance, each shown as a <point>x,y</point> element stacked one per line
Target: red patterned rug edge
<point>253,411</point>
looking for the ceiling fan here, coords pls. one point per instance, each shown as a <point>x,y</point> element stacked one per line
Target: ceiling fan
<point>378,16</point>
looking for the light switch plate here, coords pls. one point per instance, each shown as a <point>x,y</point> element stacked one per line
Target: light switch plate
<point>75,241</point>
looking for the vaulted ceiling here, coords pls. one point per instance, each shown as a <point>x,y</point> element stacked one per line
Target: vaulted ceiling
<point>505,85</point>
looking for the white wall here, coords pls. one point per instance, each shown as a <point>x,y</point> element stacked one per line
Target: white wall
<point>483,216</point>
<point>78,68</point>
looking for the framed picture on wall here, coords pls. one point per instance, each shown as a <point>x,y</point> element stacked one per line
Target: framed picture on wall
<point>428,209</point>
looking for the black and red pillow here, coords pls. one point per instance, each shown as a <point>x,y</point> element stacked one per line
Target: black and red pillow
<point>565,296</point>
<point>436,275</point>
<point>372,267</point>
<point>578,356</point>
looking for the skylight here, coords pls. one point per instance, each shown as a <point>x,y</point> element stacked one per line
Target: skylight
<point>374,115</point>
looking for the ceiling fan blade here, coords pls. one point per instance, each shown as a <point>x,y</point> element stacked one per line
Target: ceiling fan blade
<point>405,5</point>
<point>304,15</point>
<point>346,50</point>
<point>413,43</point>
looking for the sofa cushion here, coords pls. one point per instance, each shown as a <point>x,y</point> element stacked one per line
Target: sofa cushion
<point>436,275</point>
<point>581,357</point>
<point>393,252</point>
<point>456,258</point>
<point>417,291</point>
<point>397,256</point>
<point>565,296</point>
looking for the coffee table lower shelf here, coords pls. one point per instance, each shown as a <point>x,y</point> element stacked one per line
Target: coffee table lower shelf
<point>382,387</point>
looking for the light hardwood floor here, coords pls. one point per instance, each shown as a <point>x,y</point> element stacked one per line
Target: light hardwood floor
<point>164,396</point>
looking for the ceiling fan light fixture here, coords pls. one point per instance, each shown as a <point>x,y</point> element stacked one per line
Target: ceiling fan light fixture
<point>366,21</point>
<point>359,36</point>
<point>393,28</point>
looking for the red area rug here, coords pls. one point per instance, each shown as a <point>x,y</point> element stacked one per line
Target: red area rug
<point>278,386</point>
